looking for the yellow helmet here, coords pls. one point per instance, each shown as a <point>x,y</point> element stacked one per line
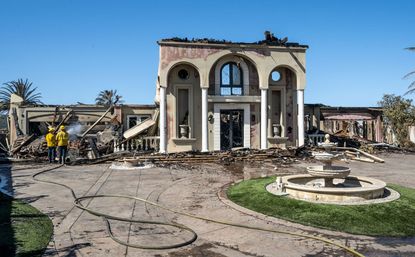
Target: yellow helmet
<point>51,129</point>
<point>62,127</point>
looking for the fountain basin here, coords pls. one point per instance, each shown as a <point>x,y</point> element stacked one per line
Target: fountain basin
<point>327,144</point>
<point>326,157</point>
<point>328,171</point>
<point>353,189</point>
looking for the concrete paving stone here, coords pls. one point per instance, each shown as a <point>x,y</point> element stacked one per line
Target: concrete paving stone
<point>78,233</point>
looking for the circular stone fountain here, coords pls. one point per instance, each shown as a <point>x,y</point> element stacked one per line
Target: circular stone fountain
<point>332,184</point>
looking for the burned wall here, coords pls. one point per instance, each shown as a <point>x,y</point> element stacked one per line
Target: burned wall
<point>170,54</point>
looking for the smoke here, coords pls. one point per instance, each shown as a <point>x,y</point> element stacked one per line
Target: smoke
<point>74,130</point>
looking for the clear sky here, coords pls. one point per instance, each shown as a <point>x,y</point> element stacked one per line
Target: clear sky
<point>72,49</point>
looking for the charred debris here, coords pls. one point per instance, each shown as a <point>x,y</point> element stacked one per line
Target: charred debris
<point>95,131</point>
<point>107,133</point>
<point>269,40</point>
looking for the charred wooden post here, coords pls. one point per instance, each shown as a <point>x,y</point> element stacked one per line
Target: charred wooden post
<point>96,122</point>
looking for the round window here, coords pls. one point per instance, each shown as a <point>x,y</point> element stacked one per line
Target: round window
<point>275,75</point>
<point>183,74</point>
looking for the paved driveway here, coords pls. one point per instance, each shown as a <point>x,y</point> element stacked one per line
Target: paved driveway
<point>194,190</point>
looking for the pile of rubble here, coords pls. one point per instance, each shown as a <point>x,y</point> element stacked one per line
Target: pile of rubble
<point>91,147</point>
<point>29,147</point>
<point>367,145</point>
<point>94,130</point>
<point>344,139</point>
<point>274,156</point>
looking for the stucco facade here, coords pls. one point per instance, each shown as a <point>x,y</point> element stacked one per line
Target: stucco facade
<point>217,96</point>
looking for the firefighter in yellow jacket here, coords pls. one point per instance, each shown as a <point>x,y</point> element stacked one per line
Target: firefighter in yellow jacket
<point>62,139</point>
<point>51,142</point>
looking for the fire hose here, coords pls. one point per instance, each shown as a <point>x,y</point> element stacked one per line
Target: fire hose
<point>107,218</point>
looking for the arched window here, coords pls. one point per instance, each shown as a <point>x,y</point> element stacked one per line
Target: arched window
<point>231,79</point>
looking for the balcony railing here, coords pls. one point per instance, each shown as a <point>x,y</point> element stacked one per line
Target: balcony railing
<point>314,139</point>
<point>138,144</point>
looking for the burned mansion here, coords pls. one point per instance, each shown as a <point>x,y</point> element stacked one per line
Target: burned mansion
<point>220,95</point>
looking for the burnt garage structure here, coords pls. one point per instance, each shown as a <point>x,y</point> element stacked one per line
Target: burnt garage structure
<point>219,95</point>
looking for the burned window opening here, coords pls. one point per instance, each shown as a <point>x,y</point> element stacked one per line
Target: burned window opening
<point>231,129</point>
<point>276,113</point>
<point>183,74</point>
<point>183,113</point>
<point>133,120</point>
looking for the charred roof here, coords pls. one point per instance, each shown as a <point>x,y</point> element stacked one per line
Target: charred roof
<point>269,40</point>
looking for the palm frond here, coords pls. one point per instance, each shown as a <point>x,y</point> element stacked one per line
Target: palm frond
<point>29,92</point>
<point>409,74</point>
<point>22,88</point>
<point>411,88</point>
<point>107,97</point>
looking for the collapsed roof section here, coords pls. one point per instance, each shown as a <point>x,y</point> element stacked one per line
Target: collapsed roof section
<point>350,113</point>
<point>269,40</point>
<point>81,120</point>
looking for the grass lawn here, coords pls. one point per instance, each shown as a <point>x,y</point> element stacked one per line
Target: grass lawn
<point>395,218</point>
<point>24,230</point>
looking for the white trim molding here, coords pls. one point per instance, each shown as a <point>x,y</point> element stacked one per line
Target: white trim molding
<point>216,125</point>
<point>234,99</point>
<point>162,121</point>
<point>264,118</point>
<point>300,119</point>
<point>204,120</point>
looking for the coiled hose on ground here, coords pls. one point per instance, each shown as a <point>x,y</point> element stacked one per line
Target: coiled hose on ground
<point>106,218</point>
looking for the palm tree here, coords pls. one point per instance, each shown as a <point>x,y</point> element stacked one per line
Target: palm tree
<point>108,97</point>
<point>22,88</point>
<point>411,87</point>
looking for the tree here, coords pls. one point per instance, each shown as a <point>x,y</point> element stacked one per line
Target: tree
<point>108,97</point>
<point>411,87</point>
<point>399,114</point>
<point>22,88</point>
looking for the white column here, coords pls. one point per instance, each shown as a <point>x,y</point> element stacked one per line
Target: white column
<point>264,118</point>
<point>115,145</point>
<point>300,119</point>
<point>162,123</point>
<point>204,120</point>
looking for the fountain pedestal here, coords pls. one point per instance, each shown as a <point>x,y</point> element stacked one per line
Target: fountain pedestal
<point>328,172</point>
<point>330,183</point>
